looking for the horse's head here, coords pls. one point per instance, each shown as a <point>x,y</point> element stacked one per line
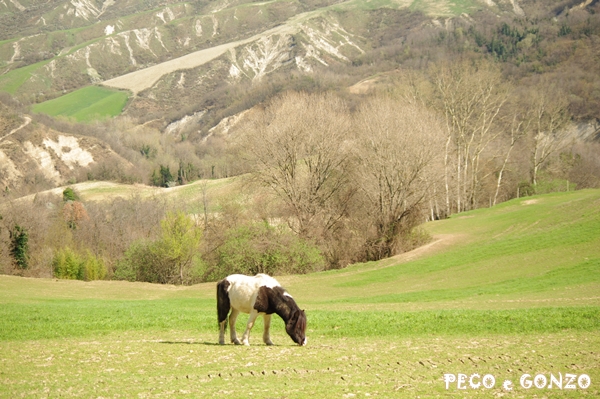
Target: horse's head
<point>296,327</point>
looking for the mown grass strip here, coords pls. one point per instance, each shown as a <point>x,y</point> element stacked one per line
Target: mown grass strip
<point>581,273</point>
<point>86,104</point>
<point>68,319</point>
<point>454,322</point>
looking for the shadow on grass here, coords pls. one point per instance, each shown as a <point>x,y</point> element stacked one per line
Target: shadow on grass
<point>208,343</point>
<point>189,343</point>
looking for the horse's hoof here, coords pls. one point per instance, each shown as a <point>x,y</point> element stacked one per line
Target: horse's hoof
<point>269,343</point>
<point>237,342</point>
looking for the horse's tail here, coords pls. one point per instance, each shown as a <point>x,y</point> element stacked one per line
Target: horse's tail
<point>223,304</point>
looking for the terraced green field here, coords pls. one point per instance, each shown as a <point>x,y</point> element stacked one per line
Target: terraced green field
<point>504,298</point>
<point>11,81</point>
<point>86,104</point>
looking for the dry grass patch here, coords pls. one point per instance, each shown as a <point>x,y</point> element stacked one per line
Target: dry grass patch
<point>180,365</point>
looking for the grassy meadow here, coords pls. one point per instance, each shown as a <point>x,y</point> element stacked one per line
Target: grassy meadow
<point>85,105</point>
<point>507,291</point>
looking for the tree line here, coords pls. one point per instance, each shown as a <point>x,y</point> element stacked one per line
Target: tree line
<point>358,180</point>
<point>327,182</point>
<point>468,117</point>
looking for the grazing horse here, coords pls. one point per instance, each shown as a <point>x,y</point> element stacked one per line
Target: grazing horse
<point>258,295</point>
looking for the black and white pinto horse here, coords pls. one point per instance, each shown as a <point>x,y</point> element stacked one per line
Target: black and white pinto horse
<point>258,295</point>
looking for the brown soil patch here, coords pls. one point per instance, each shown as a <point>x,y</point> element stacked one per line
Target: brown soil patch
<point>530,202</point>
<point>439,242</point>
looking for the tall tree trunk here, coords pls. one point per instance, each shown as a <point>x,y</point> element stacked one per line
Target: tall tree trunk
<point>501,173</point>
<point>446,172</point>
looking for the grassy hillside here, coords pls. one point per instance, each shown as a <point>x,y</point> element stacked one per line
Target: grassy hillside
<point>532,251</point>
<point>86,104</point>
<point>11,81</point>
<point>503,291</point>
<point>190,193</point>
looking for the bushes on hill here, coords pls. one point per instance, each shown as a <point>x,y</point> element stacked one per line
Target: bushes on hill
<point>173,258</point>
<point>70,195</point>
<point>70,265</point>
<point>162,178</point>
<point>19,246</point>
<point>249,248</point>
<point>261,248</point>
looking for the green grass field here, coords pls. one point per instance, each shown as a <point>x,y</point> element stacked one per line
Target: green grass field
<point>13,80</point>
<point>505,292</point>
<point>445,7</point>
<point>85,105</point>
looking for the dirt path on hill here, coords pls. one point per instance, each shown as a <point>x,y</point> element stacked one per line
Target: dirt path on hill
<point>27,122</point>
<point>146,78</point>
<point>440,241</point>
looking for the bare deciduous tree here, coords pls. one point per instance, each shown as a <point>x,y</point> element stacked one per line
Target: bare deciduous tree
<point>518,127</point>
<point>471,97</point>
<point>549,107</point>
<point>518,122</point>
<point>297,147</point>
<point>396,145</point>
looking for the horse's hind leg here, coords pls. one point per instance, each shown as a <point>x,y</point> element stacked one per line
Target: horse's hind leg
<point>223,307</point>
<point>222,326</point>
<point>266,332</point>
<point>232,318</point>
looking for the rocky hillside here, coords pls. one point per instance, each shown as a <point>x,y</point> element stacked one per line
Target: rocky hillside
<point>53,48</point>
<point>192,68</point>
<point>69,44</point>
<point>30,153</point>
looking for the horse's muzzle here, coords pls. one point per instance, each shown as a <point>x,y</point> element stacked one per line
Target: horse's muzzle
<point>304,342</point>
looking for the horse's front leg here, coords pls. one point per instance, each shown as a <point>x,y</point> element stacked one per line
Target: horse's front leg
<point>232,318</point>
<point>266,332</point>
<point>251,319</point>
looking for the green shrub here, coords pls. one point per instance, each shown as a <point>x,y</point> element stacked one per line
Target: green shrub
<point>70,195</point>
<point>172,259</point>
<point>554,186</point>
<point>162,178</point>
<point>525,189</point>
<point>19,246</point>
<point>93,268</point>
<point>261,248</point>
<point>139,264</point>
<point>197,270</point>
<point>125,268</point>
<point>68,264</point>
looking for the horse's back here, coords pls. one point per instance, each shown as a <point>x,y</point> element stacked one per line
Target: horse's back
<point>252,281</point>
<point>244,289</point>
<point>267,281</point>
